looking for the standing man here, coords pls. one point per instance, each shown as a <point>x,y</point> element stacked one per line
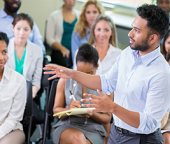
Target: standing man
<point>140,78</point>
<point>7,14</point>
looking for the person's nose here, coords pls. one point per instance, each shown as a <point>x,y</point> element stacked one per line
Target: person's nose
<point>130,34</point>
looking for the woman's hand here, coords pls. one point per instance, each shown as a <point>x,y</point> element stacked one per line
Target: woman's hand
<point>75,104</point>
<point>59,71</point>
<point>87,115</point>
<point>65,52</point>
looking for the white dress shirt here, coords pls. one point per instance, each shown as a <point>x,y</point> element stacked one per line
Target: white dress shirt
<point>140,84</point>
<point>12,101</point>
<point>107,62</point>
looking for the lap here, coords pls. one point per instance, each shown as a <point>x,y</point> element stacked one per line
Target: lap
<point>14,137</point>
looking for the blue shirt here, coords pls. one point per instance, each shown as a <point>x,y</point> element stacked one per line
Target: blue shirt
<point>6,27</point>
<point>76,41</point>
<point>141,84</point>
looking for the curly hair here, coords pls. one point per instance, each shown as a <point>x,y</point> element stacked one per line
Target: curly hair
<point>88,54</point>
<point>81,25</point>
<point>113,38</point>
<point>4,37</point>
<point>157,19</point>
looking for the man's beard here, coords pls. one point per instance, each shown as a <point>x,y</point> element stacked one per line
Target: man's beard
<point>12,9</point>
<point>141,47</point>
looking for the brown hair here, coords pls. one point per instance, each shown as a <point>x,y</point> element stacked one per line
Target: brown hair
<point>163,51</point>
<point>81,25</point>
<point>113,38</point>
<point>23,16</point>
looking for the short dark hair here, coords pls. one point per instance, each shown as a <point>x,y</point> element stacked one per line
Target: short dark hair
<point>23,16</point>
<point>4,37</point>
<point>157,19</point>
<point>88,54</point>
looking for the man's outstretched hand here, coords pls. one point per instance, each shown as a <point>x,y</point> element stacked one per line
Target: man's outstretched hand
<point>58,71</point>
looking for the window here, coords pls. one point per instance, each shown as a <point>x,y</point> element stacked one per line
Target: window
<point>129,2</point>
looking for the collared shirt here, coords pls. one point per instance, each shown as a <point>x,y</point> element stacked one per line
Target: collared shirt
<point>76,41</point>
<point>6,27</point>
<point>141,84</point>
<point>12,101</point>
<point>107,62</point>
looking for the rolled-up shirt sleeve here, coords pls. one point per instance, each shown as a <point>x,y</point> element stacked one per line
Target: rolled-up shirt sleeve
<point>157,103</point>
<point>17,110</point>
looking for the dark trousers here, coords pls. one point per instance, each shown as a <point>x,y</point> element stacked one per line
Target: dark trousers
<point>57,58</point>
<point>119,138</point>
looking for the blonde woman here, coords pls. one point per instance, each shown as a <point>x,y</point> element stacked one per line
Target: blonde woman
<point>90,11</point>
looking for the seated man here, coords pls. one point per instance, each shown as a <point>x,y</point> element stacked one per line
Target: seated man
<point>7,14</point>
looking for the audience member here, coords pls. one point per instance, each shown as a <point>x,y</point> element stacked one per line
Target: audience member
<point>82,129</point>
<point>168,57</point>
<point>90,11</point>
<point>7,14</point>
<point>165,4</point>
<point>103,38</point>
<point>165,123</point>
<point>26,58</point>
<point>59,30</point>
<point>166,44</point>
<point>12,99</point>
<point>140,78</point>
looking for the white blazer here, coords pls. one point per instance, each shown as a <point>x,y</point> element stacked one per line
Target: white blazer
<point>33,62</point>
<point>54,30</point>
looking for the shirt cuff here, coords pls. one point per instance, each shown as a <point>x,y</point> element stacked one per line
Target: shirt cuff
<point>104,85</point>
<point>143,120</point>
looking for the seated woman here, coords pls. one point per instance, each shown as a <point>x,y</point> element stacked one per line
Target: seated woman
<point>59,30</point>
<point>12,99</point>
<point>165,123</point>
<point>24,56</point>
<point>91,9</point>
<point>82,129</point>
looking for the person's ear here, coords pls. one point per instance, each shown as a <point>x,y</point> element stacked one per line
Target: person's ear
<point>13,27</point>
<point>153,38</point>
<point>97,66</point>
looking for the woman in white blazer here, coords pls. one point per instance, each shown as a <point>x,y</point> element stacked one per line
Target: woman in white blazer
<point>12,99</point>
<point>24,56</point>
<point>59,30</point>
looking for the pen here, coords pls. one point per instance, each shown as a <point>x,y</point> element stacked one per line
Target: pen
<point>72,96</point>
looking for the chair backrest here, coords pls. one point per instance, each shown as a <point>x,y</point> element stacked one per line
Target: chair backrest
<point>52,97</point>
<point>28,107</point>
<point>44,79</point>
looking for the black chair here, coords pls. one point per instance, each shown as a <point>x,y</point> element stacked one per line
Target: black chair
<point>49,111</point>
<point>28,109</point>
<point>44,86</point>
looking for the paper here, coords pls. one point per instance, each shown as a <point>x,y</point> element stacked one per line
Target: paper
<point>73,111</point>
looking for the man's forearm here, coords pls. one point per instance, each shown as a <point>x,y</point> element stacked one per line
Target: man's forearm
<point>129,117</point>
<point>89,81</point>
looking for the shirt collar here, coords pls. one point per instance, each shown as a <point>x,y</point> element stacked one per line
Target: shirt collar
<point>3,13</point>
<point>6,73</point>
<point>148,58</point>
